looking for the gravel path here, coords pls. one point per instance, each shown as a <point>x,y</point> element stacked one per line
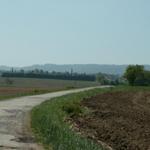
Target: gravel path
<point>14,128</point>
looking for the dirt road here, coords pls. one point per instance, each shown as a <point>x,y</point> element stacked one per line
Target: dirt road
<point>14,132</point>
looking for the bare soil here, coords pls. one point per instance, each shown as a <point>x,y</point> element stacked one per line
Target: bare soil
<point>119,119</point>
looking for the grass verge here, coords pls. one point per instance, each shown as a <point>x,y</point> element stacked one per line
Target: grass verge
<point>48,122</point>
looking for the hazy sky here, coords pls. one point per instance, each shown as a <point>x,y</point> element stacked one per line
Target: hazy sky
<point>74,31</point>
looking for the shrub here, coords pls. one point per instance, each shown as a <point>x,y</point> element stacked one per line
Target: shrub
<point>73,109</point>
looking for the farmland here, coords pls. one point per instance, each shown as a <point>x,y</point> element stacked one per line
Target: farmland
<point>120,119</point>
<point>14,87</point>
<point>93,120</point>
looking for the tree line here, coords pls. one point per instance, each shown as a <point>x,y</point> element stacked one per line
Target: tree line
<point>135,75</point>
<point>49,75</point>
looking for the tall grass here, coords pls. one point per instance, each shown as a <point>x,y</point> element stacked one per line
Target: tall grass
<point>48,122</point>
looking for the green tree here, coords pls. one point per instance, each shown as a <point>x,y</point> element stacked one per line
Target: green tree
<point>143,79</point>
<point>102,79</point>
<point>133,72</point>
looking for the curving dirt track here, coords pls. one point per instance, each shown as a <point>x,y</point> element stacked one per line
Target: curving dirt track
<point>14,131</point>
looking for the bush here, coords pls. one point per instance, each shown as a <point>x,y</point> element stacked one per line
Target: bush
<point>73,109</point>
<point>36,91</point>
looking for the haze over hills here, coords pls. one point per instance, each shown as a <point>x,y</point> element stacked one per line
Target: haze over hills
<point>80,68</point>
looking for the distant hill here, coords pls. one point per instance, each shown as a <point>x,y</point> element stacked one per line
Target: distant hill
<point>80,68</point>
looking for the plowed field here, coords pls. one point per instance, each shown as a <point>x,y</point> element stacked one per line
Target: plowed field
<point>119,119</point>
